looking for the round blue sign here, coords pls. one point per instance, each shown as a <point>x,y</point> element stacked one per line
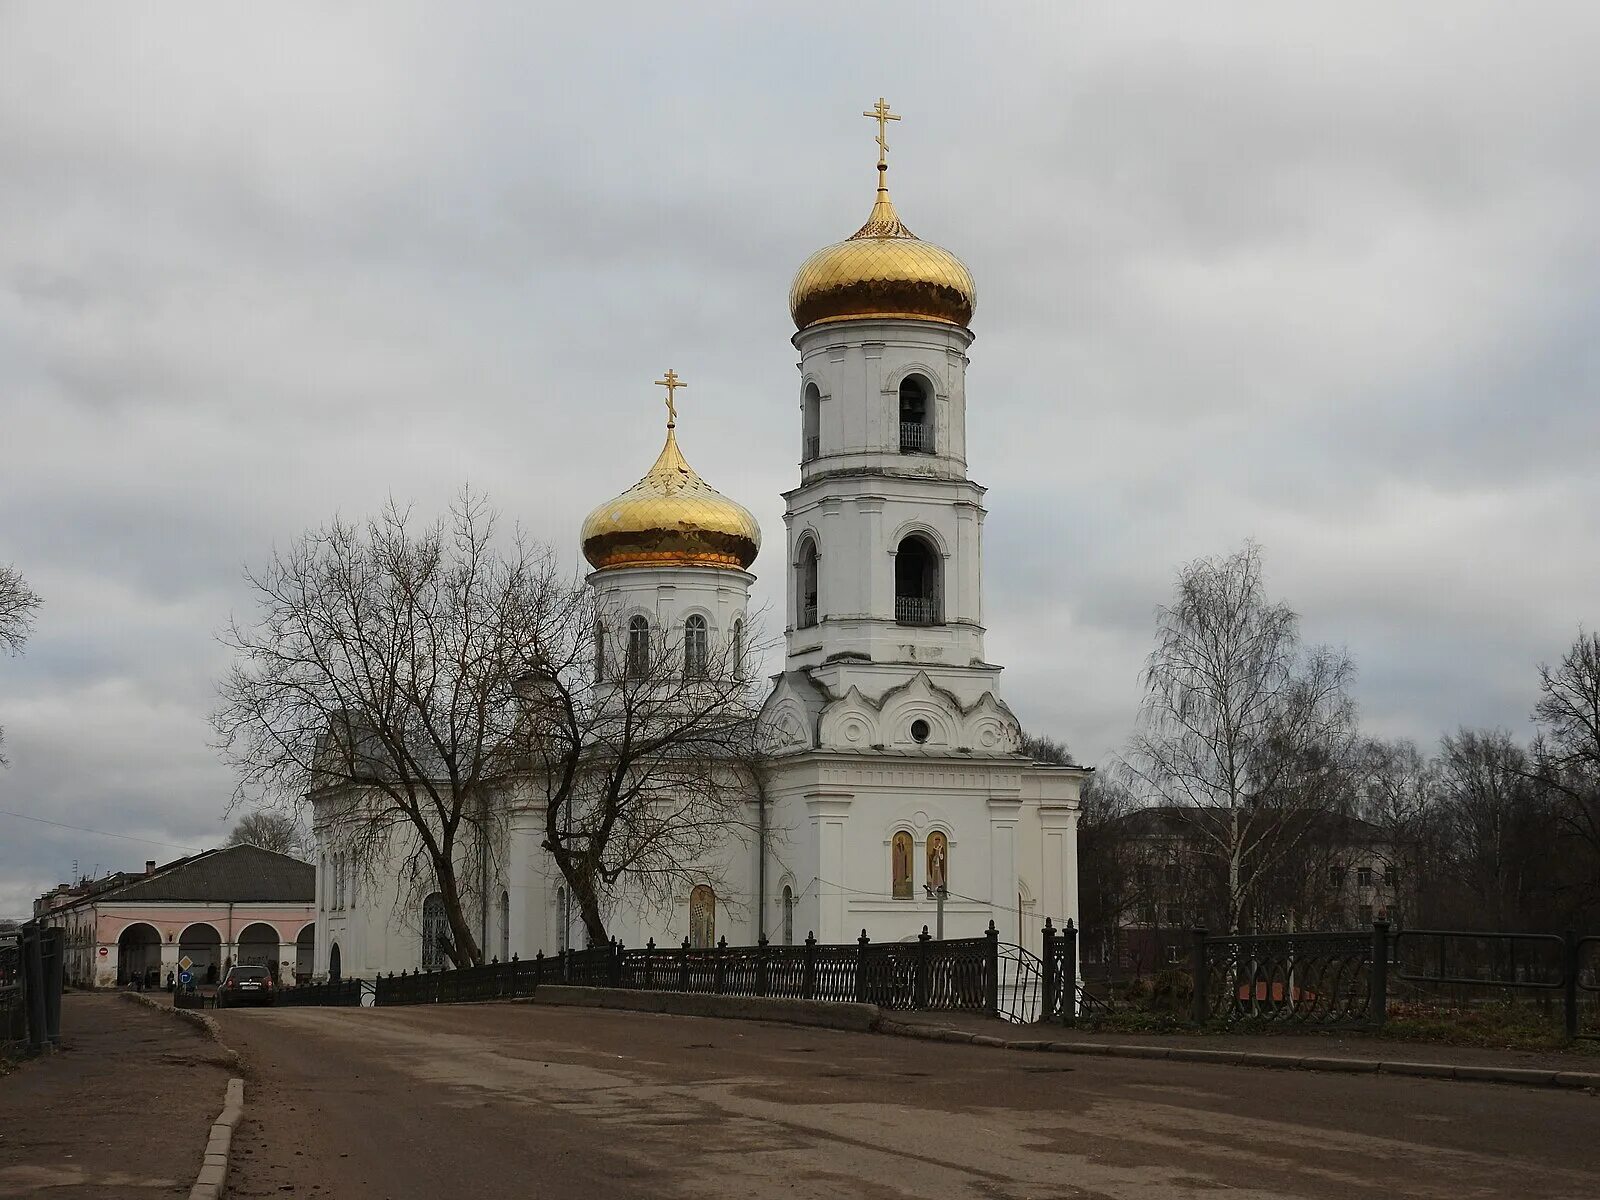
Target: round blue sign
<point>185,977</point>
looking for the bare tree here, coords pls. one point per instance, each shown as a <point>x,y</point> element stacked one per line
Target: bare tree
<point>18,602</point>
<point>1399,791</point>
<point>1493,825</point>
<point>379,682</point>
<point>1046,749</point>
<point>645,746</point>
<point>277,831</point>
<point>1566,754</point>
<point>1242,730</point>
<point>420,687</point>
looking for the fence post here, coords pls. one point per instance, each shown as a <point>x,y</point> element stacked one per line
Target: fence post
<point>32,965</point>
<point>1197,968</point>
<point>55,955</point>
<point>808,973</point>
<point>991,954</point>
<point>616,962</point>
<point>1047,960</point>
<point>1378,1002</point>
<point>761,965</point>
<point>683,967</point>
<point>919,990</point>
<point>861,968</point>
<point>1569,982</point>
<point>1069,974</point>
<point>721,975</point>
<point>650,964</point>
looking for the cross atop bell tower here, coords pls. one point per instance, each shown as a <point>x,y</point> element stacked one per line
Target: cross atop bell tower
<point>880,112</point>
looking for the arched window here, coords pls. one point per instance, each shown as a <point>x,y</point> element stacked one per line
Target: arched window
<point>696,647</point>
<point>916,583</point>
<point>333,964</point>
<point>702,916</point>
<point>811,424</point>
<point>599,650</point>
<point>788,915</point>
<point>435,932</point>
<point>938,860</point>
<point>916,417</point>
<point>806,585</point>
<point>638,647</point>
<point>738,647</point>
<point>505,926</point>
<point>900,853</point>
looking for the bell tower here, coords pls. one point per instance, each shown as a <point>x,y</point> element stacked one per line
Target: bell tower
<point>885,529</point>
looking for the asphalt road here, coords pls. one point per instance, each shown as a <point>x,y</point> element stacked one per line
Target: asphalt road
<point>496,1101</point>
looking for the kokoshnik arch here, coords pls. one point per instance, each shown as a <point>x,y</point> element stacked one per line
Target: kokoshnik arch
<point>896,766</point>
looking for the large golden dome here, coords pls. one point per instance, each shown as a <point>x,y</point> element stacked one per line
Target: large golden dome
<point>882,270</point>
<point>673,518</point>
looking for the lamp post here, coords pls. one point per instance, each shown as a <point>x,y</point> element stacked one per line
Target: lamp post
<point>938,895</point>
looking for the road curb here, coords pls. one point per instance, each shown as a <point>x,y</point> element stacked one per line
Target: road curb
<point>1519,1076</point>
<point>212,1182</point>
<point>822,1014</point>
<point>868,1018</point>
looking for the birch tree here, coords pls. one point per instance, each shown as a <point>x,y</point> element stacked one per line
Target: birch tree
<point>1243,731</point>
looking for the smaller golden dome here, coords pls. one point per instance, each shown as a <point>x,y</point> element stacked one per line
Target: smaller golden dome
<point>882,270</point>
<point>671,518</point>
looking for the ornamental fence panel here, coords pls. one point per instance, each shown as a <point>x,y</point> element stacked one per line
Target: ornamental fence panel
<point>1305,979</point>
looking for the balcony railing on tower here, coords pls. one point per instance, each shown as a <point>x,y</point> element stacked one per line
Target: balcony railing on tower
<point>916,438</point>
<point>916,610</point>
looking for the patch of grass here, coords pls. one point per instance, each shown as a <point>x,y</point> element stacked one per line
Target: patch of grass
<point>1503,1026</point>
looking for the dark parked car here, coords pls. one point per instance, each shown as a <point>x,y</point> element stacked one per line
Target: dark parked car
<point>245,985</point>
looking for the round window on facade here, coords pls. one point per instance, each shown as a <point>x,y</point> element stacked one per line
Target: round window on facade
<point>919,731</point>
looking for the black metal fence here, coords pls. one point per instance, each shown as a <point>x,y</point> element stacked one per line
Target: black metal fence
<point>32,968</point>
<point>1235,981</point>
<point>345,993</point>
<point>977,975</point>
<point>1464,968</point>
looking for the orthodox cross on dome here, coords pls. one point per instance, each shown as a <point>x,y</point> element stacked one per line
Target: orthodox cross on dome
<point>672,383</point>
<point>880,113</point>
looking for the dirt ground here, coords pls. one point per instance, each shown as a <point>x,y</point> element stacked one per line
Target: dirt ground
<point>524,1101</point>
<point>123,1110</point>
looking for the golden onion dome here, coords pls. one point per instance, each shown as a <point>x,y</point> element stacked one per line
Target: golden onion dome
<point>671,518</point>
<point>882,270</point>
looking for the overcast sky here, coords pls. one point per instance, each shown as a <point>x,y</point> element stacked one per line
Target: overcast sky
<point>1328,278</point>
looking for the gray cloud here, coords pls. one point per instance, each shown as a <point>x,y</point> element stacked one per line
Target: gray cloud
<point>1326,277</point>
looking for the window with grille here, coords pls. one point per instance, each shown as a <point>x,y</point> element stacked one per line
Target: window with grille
<point>638,647</point>
<point>696,647</point>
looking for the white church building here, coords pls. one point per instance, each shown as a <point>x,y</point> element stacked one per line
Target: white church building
<point>896,765</point>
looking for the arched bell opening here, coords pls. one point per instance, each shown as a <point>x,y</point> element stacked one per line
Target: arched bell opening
<point>917,568</point>
<point>811,424</point>
<point>806,585</point>
<point>916,416</point>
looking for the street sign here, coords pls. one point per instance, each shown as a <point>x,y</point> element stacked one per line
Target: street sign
<point>103,952</point>
<point>185,978</point>
<point>185,962</point>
